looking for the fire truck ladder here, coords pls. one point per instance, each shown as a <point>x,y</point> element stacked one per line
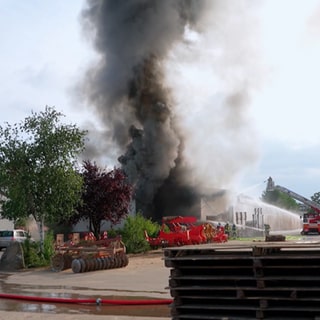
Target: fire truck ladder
<point>271,187</point>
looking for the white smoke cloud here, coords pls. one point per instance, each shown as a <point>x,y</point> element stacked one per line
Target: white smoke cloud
<point>213,75</point>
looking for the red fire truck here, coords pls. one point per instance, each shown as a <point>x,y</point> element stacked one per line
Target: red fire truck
<point>311,221</point>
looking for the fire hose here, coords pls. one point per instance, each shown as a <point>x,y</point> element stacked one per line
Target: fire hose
<point>97,301</point>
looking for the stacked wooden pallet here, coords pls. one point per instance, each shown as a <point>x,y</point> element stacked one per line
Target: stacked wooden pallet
<point>252,280</point>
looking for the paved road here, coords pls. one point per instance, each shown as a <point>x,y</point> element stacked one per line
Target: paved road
<point>144,277</point>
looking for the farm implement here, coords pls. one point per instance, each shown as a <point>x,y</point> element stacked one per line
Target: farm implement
<point>89,255</point>
<point>179,231</point>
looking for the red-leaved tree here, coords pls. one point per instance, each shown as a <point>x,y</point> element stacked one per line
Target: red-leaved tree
<point>106,196</point>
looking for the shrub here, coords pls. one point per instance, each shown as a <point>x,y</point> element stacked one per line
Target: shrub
<point>33,257</point>
<point>48,246</point>
<point>133,233</point>
<point>32,254</point>
<point>112,233</point>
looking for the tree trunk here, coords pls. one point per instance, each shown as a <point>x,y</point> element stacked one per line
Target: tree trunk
<point>41,232</point>
<point>95,228</point>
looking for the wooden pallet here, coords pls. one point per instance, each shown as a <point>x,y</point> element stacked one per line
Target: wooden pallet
<point>256,280</point>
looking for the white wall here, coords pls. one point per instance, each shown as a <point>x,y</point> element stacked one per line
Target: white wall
<point>6,224</point>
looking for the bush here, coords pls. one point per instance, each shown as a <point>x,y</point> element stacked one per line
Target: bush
<point>33,257</point>
<point>32,254</point>
<point>133,233</point>
<point>48,246</point>
<point>112,233</point>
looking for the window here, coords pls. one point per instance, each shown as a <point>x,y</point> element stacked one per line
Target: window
<point>6,233</point>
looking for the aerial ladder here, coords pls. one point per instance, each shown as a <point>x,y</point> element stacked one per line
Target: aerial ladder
<point>311,220</point>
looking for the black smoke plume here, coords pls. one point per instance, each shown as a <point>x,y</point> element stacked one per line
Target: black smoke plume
<point>133,38</point>
<point>171,88</point>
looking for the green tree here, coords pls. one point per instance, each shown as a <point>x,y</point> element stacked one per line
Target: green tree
<point>37,168</point>
<point>280,199</point>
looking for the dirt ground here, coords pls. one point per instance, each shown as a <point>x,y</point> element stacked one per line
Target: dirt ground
<point>145,277</point>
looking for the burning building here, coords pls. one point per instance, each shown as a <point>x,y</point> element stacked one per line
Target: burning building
<point>130,91</point>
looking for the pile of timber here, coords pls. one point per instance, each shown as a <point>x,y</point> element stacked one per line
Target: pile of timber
<point>249,280</point>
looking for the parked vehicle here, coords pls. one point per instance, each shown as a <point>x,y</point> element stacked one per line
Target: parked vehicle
<point>9,236</point>
<point>311,220</point>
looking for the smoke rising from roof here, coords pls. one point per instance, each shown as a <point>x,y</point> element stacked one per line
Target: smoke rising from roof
<point>171,87</point>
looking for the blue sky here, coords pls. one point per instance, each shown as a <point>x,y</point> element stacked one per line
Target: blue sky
<point>44,54</point>
<point>286,109</point>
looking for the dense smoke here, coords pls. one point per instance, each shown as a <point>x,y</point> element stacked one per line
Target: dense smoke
<point>136,90</point>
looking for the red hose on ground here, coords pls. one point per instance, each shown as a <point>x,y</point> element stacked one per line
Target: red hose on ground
<point>86,301</point>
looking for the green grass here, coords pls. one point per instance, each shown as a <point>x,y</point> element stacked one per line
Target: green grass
<point>248,239</point>
<point>288,238</point>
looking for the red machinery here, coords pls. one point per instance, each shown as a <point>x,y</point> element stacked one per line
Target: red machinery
<point>89,254</point>
<point>311,221</point>
<point>185,231</point>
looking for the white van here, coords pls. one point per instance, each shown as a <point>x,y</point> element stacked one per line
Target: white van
<point>9,236</point>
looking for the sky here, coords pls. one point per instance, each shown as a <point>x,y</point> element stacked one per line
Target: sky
<point>45,53</point>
